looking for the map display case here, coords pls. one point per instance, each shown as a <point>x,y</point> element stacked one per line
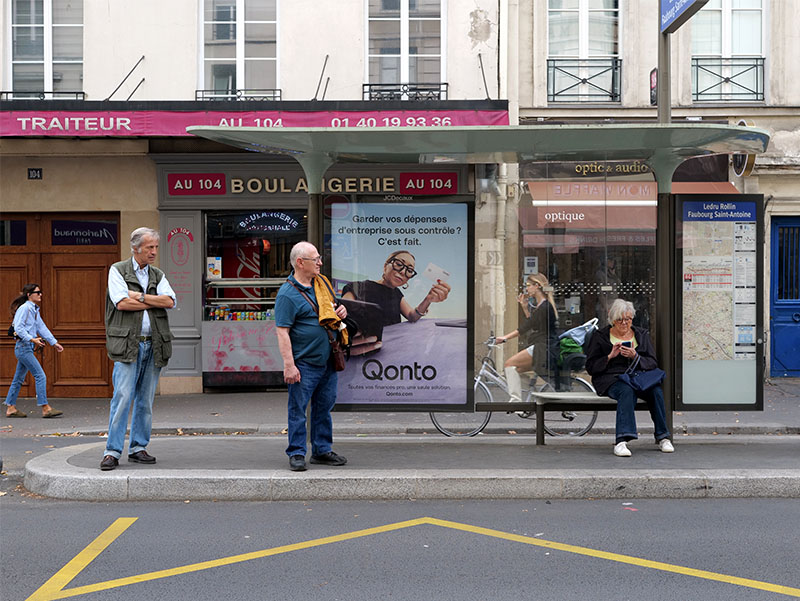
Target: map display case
<point>721,334</point>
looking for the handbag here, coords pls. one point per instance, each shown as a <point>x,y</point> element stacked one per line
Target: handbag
<point>337,353</point>
<point>579,333</point>
<point>338,358</point>
<point>643,379</point>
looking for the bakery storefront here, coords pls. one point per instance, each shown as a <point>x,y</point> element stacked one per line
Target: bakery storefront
<point>228,226</point>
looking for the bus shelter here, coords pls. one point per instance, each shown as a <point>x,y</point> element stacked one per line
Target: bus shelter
<point>589,214</point>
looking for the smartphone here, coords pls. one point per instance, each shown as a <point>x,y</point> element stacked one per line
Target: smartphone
<point>627,343</point>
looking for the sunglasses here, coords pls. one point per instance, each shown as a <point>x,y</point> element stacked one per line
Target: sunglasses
<point>36,292</point>
<point>399,266</point>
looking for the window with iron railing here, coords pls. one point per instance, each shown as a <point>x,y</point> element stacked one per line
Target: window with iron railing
<point>590,80</point>
<point>46,48</point>
<point>240,50</point>
<point>727,79</point>
<point>583,51</point>
<point>405,60</point>
<point>727,52</point>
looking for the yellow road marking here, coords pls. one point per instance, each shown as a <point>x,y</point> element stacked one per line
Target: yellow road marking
<point>53,588</point>
<point>636,561</point>
<point>205,565</point>
<point>76,565</point>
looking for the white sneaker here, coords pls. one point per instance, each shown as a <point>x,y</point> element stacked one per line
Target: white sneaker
<point>666,446</point>
<point>621,449</point>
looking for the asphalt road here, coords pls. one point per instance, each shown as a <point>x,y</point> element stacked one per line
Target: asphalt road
<point>499,550</point>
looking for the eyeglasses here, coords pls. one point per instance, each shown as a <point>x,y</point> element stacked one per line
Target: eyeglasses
<point>36,292</point>
<point>399,266</point>
<point>315,259</point>
<point>624,320</point>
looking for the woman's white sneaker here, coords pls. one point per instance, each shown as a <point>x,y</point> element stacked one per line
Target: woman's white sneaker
<point>621,449</point>
<point>666,446</point>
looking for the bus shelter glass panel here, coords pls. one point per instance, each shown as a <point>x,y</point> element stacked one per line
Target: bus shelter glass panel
<point>584,235</point>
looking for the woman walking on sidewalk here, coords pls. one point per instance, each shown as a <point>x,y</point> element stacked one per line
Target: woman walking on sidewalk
<point>30,333</point>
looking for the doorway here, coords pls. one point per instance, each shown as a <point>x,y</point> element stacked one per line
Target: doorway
<point>784,307</point>
<point>68,255</point>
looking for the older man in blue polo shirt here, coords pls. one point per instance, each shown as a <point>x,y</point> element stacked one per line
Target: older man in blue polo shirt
<point>305,349</point>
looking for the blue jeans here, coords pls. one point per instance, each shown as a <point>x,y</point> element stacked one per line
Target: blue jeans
<point>626,414</point>
<point>26,362</point>
<point>317,384</point>
<point>134,381</point>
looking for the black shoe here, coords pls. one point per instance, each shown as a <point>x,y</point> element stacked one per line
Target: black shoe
<point>108,463</point>
<point>297,463</point>
<point>329,458</point>
<point>141,457</point>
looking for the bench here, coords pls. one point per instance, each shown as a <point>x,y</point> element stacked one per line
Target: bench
<point>572,401</point>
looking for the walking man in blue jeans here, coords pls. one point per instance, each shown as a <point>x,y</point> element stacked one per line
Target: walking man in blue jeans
<point>139,341</point>
<point>305,349</point>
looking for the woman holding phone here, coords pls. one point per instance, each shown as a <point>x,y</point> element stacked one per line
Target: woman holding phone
<point>612,350</point>
<point>539,333</point>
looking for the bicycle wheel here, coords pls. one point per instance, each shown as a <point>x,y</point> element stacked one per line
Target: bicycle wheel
<point>570,423</point>
<point>464,423</point>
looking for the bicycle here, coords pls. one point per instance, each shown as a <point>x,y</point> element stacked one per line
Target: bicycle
<point>489,382</point>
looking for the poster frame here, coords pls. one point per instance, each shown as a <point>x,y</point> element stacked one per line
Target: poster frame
<point>758,402</point>
<point>468,404</point>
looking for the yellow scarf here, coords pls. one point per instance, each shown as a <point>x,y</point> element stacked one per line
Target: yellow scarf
<point>327,311</point>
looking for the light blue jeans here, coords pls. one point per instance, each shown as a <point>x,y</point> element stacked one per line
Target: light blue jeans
<point>26,362</point>
<point>135,382</point>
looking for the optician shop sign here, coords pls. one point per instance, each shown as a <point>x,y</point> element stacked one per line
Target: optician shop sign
<point>174,123</point>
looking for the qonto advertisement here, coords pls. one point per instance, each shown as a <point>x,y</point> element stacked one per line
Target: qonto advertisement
<point>402,272</point>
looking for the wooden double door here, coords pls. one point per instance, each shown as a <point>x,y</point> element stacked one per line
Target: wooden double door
<point>68,255</point>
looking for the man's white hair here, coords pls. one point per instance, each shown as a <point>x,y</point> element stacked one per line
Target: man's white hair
<point>141,232</point>
<point>298,250</point>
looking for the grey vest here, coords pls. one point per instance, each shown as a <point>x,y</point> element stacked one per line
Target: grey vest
<point>123,328</point>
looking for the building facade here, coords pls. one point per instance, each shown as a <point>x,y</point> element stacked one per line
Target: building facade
<point>96,99</point>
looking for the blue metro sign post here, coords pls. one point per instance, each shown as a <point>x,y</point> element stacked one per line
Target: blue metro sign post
<point>675,13</point>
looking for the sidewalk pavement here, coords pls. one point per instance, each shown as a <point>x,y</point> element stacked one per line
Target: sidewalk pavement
<point>230,446</point>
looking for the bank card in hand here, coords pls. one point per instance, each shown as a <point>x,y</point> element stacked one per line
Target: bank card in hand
<point>435,273</point>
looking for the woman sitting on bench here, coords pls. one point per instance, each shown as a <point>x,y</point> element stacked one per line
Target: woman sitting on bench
<point>612,350</point>
<point>539,331</point>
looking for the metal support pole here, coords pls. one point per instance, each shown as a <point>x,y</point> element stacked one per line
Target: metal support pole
<point>664,96</point>
<point>667,290</point>
<point>666,326</point>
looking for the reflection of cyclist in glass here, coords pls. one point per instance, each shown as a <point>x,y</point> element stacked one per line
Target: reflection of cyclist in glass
<point>538,332</point>
<point>397,271</point>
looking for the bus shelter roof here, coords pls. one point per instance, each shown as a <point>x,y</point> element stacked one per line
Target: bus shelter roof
<point>662,146</point>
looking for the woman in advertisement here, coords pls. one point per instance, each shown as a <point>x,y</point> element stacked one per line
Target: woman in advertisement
<point>398,269</point>
<point>539,331</point>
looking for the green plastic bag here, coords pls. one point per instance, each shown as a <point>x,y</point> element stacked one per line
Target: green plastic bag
<point>567,346</point>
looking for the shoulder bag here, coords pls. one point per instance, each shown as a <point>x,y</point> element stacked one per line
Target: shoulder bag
<point>644,379</point>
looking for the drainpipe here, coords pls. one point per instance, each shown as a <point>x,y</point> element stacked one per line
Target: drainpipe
<point>499,283</point>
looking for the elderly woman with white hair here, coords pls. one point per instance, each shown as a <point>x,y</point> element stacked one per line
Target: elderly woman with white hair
<point>612,350</point>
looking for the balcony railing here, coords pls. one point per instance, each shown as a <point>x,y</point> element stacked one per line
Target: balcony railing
<point>584,80</point>
<point>717,79</point>
<point>253,95</point>
<point>42,96</point>
<point>404,91</point>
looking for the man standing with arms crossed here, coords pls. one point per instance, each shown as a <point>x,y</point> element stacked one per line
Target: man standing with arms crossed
<point>305,349</point>
<point>139,341</point>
